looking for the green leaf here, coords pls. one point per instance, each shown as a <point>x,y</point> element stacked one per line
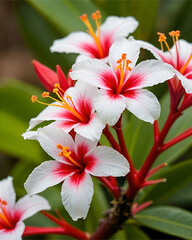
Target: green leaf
<point>64,14</point>
<point>134,232</point>
<point>170,220</point>
<point>39,36</point>
<point>16,111</point>
<point>178,176</point>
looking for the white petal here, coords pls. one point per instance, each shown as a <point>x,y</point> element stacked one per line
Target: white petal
<point>49,137</point>
<point>30,135</point>
<point>72,43</point>
<point>144,105</point>
<point>91,71</point>
<point>49,113</point>
<point>186,82</point>
<point>7,192</point>
<point>48,174</point>
<point>118,26</point>
<point>151,72</point>
<point>82,141</point>
<point>30,205</point>
<point>13,234</point>
<point>123,45</point>
<point>108,162</point>
<point>108,107</point>
<point>77,195</point>
<point>158,54</point>
<point>92,130</point>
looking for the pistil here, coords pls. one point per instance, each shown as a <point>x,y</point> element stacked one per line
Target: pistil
<point>64,102</point>
<point>97,18</point>
<point>65,152</point>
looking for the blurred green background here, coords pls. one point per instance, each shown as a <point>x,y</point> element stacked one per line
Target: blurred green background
<point>28,29</point>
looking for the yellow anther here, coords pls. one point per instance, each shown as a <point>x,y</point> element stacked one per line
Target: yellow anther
<point>33,98</point>
<point>175,33</point>
<point>45,94</point>
<point>127,65</point>
<point>162,38</point>
<point>66,153</point>
<point>56,85</point>
<point>124,56</point>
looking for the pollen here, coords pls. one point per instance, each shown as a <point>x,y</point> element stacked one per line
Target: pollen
<point>67,153</point>
<point>45,94</point>
<point>163,39</point>
<point>96,16</point>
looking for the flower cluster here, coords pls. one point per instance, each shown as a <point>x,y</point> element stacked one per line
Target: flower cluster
<point>106,80</point>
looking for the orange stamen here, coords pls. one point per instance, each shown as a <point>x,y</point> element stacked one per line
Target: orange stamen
<point>65,152</point>
<point>186,64</point>
<point>162,38</point>
<point>3,215</point>
<point>97,18</point>
<point>123,66</point>
<point>66,103</point>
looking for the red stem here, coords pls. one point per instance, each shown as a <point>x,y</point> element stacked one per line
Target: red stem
<point>119,132</point>
<point>156,130</point>
<point>111,139</point>
<point>111,185</point>
<point>29,231</point>
<point>177,139</point>
<point>155,151</point>
<point>69,230</point>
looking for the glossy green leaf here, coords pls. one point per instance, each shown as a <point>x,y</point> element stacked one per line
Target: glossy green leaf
<point>178,176</point>
<point>170,220</point>
<point>63,12</point>
<point>39,36</point>
<point>134,232</point>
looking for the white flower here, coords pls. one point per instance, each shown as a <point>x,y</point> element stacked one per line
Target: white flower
<point>75,162</point>
<point>13,214</point>
<point>95,44</point>
<point>74,110</point>
<point>121,82</point>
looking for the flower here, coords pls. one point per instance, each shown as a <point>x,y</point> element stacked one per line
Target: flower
<point>120,83</point>
<point>12,214</point>
<point>74,110</point>
<point>75,160</point>
<point>95,44</point>
<point>179,56</point>
<point>48,77</point>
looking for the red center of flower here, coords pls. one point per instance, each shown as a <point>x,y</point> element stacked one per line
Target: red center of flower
<point>123,66</point>
<point>65,152</point>
<point>65,101</point>
<point>5,218</point>
<point>175,37</point>
<point>97,18</point>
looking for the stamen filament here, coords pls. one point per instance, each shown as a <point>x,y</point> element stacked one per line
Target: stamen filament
<point>65,152</point>
<point>186,64</point>
<point>65,103</point>
<point>4,215</point>
<point>96,17</point>
<point>123,67</point>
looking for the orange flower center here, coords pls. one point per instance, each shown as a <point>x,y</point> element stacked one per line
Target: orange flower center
<point>97,18</point>
<point>65,101</point>
<point>123,66</point>
<point>4,216</point>
<point>65,152</point>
